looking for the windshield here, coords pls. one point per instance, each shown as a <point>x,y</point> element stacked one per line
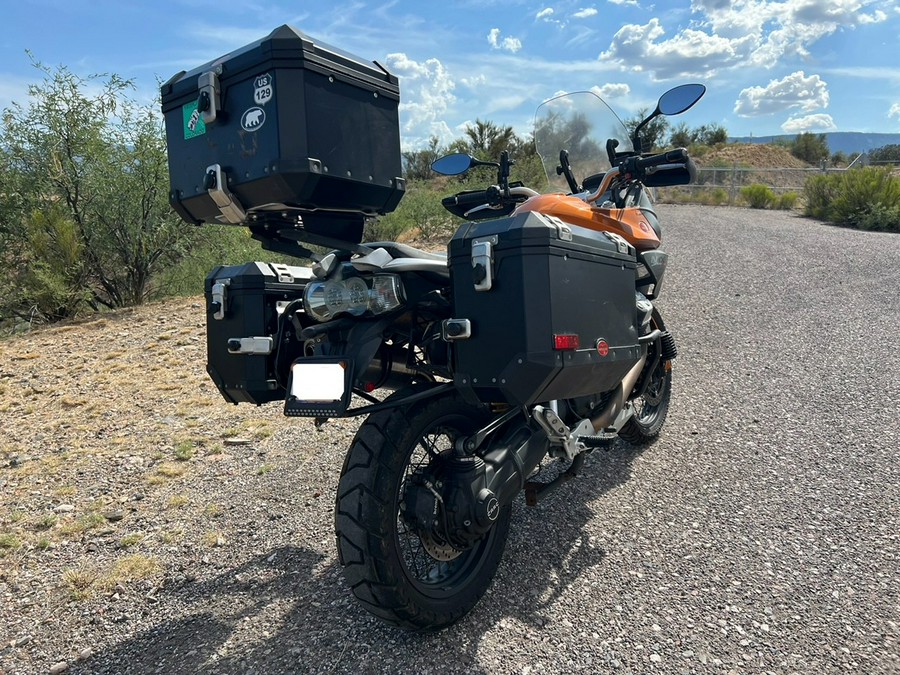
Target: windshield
<point>579,123</point>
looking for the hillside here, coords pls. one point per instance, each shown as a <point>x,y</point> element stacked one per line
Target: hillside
<point>751,155</point>
<point>838,141</point>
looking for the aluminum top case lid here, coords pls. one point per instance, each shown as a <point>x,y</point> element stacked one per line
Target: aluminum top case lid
<point>286,124</point>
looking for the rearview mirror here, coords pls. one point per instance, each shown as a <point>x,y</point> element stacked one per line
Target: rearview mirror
<point>453,165</point>
<point>681,98</point>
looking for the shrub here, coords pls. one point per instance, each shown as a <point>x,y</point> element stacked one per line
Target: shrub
<point>786,201</point>
<point>867,198</point>
<point>419,214</point>
<point>757,195</point>
<point>820,192</point>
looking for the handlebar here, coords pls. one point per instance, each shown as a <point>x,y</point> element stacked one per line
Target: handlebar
<point>637,165</point>
<point>471,198</point>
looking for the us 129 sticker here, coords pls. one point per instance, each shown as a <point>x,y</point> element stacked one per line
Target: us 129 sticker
<point>263,89</point>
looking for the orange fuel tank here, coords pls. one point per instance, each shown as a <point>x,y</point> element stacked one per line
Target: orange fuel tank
<point>631,223</point>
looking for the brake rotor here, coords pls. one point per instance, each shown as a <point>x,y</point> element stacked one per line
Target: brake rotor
<point>438,551</point>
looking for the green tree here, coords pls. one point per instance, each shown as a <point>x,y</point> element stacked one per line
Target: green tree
<point>839,159</point>
<point>681,136</point>
<point>886,153</point>
<point>83,149</point>
<point>811,148</point>
<point>417,163</point>
<point>653,135</point>
<point>711,134</point>
<point>487,140</point>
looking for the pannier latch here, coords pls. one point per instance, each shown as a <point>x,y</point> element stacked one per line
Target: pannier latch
<point>622,245</point>
<point>219,298</point>
<point>251,345</point>
<point>209,101</point>
<point>483,263</point>
<point>283,272</point>
<point>456,329</point>
<point>563,231</point>
<point>216,185</point>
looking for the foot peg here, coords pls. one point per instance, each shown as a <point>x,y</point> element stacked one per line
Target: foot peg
<point>594,442</point>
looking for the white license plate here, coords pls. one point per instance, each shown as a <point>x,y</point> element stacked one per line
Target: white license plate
<point>318,382</point>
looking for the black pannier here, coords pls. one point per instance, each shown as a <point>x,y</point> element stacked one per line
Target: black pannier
<point>285,128</point>
<point>250,341</point>
<point>550,307</point>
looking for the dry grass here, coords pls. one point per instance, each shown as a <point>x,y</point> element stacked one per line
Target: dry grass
<point>213,538</point>
<point>9,543</point>
<point>213,510</point>
<point>84,582</point>
<point>177,501</point>
<point>130,540</point>
<point>82,524</point>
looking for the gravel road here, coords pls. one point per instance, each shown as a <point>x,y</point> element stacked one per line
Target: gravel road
<point>761,533</point>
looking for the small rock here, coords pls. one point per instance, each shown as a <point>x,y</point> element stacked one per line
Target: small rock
<point>655,658</point>
<point>84,654</point>
<point>22,641</point>
<point>114,516</point>
<point>137,496</point>
<point>58,668</point>
<point>92,547</point>
<point>64,508</point>
<point>236,441</point>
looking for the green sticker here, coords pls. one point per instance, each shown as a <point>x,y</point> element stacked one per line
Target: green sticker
<point>193,124</point>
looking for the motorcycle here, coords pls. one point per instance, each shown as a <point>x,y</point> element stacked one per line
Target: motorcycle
<point>536,336</point>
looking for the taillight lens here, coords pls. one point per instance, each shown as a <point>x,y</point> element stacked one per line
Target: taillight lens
<point>324,300</point>
<point>565,341</point>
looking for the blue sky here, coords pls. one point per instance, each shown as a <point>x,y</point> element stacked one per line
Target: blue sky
<point>770,66</point>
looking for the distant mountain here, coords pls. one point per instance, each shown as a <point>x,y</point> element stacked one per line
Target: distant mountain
<point>848,142</point>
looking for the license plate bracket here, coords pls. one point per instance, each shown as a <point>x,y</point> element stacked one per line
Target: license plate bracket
<point>319,387</point>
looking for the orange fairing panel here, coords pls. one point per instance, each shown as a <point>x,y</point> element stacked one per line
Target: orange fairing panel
<point>630,223</point>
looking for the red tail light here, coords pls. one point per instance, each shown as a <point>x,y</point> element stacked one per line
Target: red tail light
<point>565,341</point>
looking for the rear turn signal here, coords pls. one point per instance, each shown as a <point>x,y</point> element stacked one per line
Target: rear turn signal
<point>565,341</point>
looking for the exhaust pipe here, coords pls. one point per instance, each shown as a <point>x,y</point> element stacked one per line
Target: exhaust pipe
<point>604,419</point>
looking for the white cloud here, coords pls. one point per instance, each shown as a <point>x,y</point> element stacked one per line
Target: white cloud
<point>612,91</point>
<point>427,95</point>
<point>737,33</point>
<point>633,3</point>
<point>510,44</point>
<point>794,91</point>
<point>585,13</point>
<point>894,111</point>
<point>545,13</point>
<point>691,53</point>
<point>877,17</point>
<point>819,122</point>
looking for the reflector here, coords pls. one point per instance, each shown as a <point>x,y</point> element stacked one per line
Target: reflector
<point>565,341</point>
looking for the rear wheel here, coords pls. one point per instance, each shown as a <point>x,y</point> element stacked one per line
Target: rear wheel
<point>406,578</point>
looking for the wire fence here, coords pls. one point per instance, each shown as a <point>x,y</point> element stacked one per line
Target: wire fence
<point>723,185</point>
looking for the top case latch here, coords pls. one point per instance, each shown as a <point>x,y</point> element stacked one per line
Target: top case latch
<point>210,100</point>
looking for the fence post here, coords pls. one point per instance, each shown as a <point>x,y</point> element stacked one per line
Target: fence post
<point>733,182</point>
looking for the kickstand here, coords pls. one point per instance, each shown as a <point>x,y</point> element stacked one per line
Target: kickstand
<point>535,490</point>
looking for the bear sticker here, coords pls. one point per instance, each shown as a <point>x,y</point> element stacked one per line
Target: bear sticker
<point>253,119</point>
